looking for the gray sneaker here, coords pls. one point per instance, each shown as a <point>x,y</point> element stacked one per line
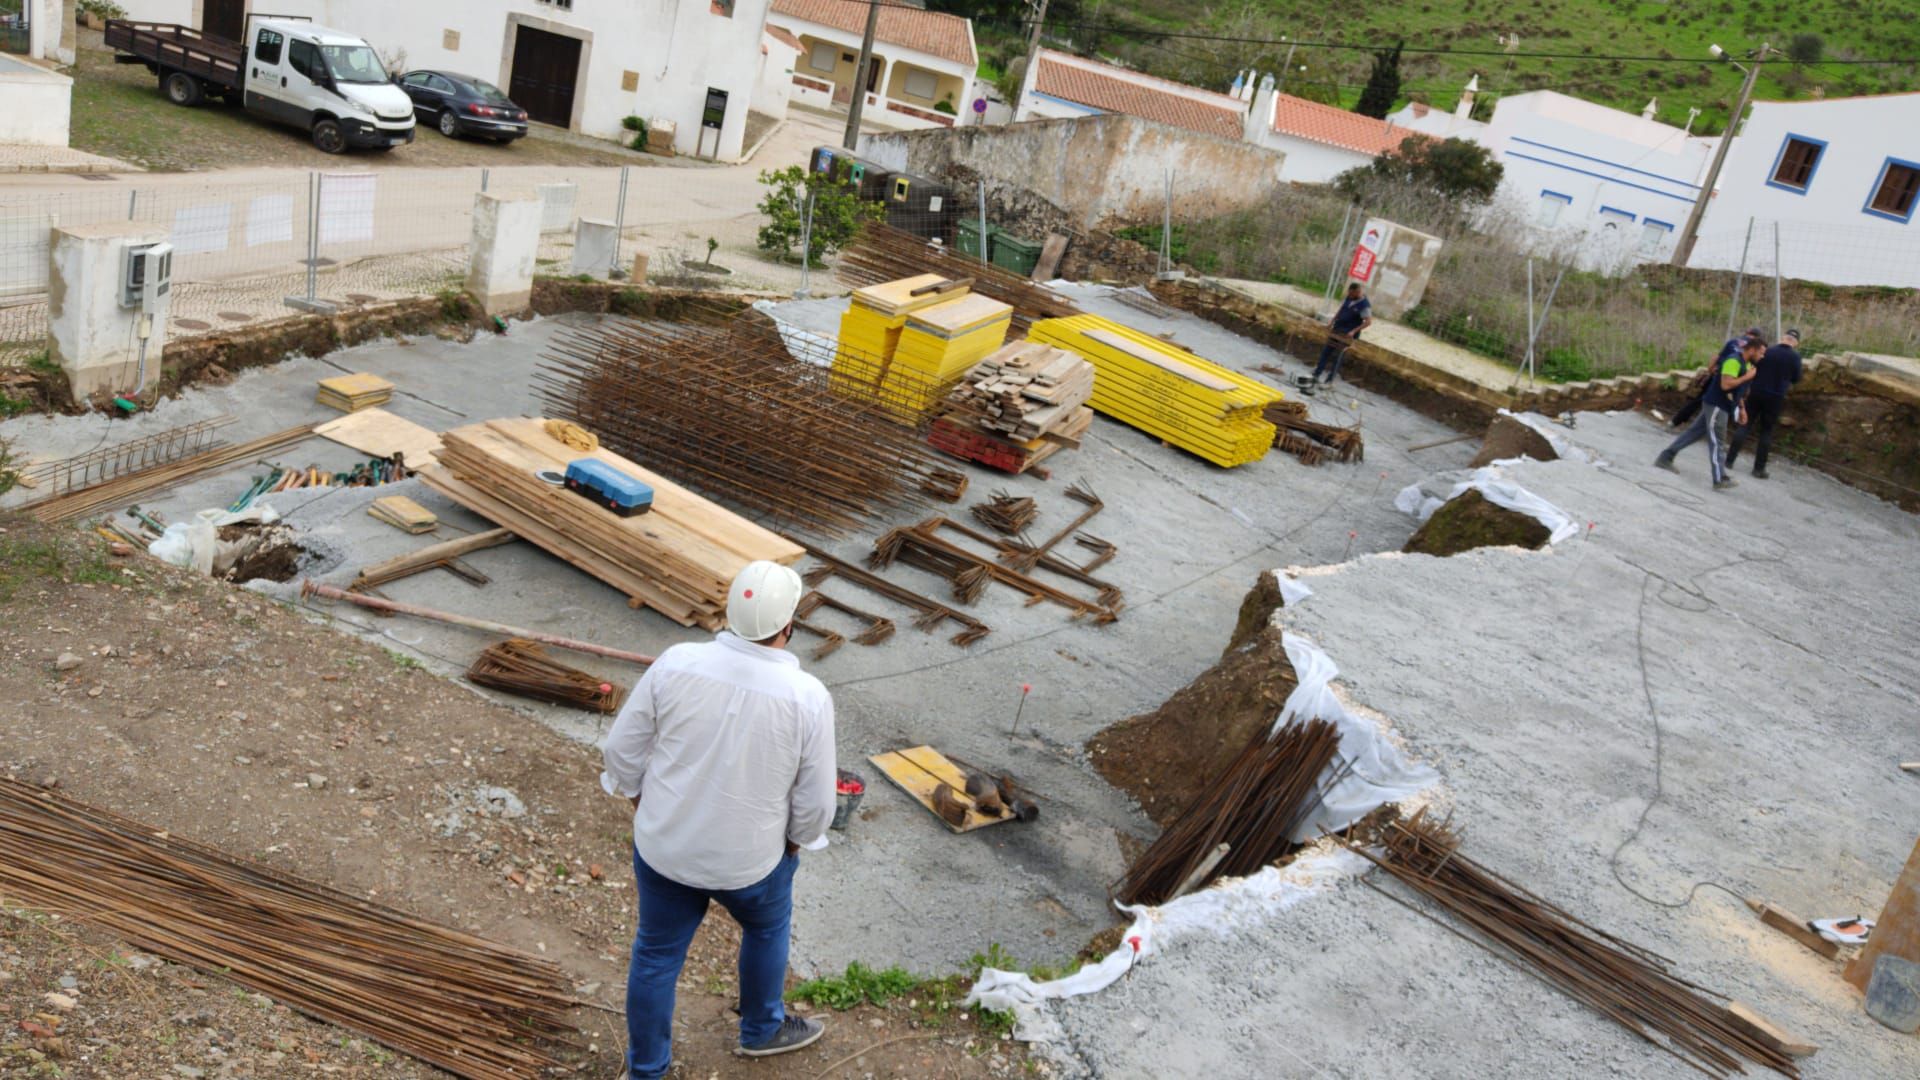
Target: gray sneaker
<point>1723,485</point>
<point>795,1032</point>
<point>1664,463</point>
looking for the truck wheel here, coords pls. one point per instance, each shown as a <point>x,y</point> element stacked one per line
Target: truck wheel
<point>329,137</point>
<point>182,89</point>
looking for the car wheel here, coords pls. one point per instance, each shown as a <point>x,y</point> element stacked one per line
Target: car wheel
<point>449,126</point>
<point>329,137</point>
<point>182,89</point>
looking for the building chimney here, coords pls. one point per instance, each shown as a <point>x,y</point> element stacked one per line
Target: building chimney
<point>1239,80</point>
<point>1253,81</point>
<point>1464,110</point>
<point>1653,106</point>
<point>1259,119</point>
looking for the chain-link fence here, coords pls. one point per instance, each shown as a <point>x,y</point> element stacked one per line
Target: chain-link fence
<point>1500,284</point>
<point>245,243</point>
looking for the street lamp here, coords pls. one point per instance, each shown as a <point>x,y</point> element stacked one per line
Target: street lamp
<point>1683,250</point>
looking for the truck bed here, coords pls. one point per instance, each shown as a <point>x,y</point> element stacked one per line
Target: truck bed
<point>181,48</point>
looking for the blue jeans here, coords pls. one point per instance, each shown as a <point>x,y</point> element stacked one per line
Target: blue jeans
<point>669,914</point>
<point>1334,351</point>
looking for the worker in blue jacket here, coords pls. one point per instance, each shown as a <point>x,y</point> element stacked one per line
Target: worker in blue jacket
<point>1355,315</point>
<point>1719,408</point>
<point>1780,369</point>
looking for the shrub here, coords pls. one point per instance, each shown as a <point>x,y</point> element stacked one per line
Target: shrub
<point>838,213</point>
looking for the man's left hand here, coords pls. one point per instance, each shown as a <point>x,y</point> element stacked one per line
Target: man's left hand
<point>635,801</point>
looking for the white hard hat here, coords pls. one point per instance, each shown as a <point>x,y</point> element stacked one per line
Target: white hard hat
<point>761,601</point>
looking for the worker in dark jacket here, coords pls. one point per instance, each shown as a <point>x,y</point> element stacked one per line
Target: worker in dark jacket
<point>1780,368</point>
<point>1727,352</point>
<point>1720,409</point>
<point>1355,315</point>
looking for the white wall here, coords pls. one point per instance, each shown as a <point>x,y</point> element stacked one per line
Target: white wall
<point>165,11</point>
<point>1310,162</point>
<point>35,104</point>
<point>774,88</point>
<point>676,48</point>
<point>1827,235</point>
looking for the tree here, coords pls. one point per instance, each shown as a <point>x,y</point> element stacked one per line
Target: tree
<point>1806,48</point>
<point>1383,84</point>
<point>1460,171</point>
<point>838,213</point>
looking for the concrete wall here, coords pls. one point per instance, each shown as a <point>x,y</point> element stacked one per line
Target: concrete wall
<point>93,339</point>
<point>1099,170</point>
<point>1402,262</point>
<point>1310,162</point>
<point>35,104</point>
<point>1828,234</point>
<point>773,89</point>
<point>673,49</point>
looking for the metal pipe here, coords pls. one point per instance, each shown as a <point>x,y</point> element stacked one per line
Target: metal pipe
<point>1739,279</point>
<point>309,588</point>
<point>1777,328</point>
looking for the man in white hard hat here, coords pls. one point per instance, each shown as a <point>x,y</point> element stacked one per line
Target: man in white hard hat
<point>725,749</point>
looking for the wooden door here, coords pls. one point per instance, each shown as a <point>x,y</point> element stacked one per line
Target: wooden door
<point>545,68</point>
<point>224,19</point>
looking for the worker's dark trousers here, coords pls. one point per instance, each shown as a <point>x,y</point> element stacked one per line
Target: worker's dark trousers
<point>669,914</point>
<point>1763,415</point>
<point>1334,351</point>
<point>1710,425</point>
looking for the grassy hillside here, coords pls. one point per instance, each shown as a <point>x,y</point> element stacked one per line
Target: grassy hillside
<point>1682,29</point>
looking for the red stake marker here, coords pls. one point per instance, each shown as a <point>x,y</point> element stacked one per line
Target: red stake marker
<point>1025,689</point>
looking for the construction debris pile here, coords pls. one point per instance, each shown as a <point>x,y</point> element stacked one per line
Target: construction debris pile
<point>448,998</point>
<point>728,410</point>
<point>883,253</point>
<point>1309,440</point>
<point>1168,392</point>
<point>903,343</point>
<point>1626,983</point>
<point>677,559</point>
<point>1016,408</point>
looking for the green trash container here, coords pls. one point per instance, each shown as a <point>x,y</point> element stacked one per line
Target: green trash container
<point>1009,252</point>
<point>967,238</point>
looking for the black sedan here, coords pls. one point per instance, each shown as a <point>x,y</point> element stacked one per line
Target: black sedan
<point>464,105</point>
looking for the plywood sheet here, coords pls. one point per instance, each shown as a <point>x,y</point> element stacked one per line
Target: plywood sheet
<point>917,770</point>
<point>379,433</point>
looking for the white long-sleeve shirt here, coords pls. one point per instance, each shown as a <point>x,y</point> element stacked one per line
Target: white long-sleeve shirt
<point>730,747</point>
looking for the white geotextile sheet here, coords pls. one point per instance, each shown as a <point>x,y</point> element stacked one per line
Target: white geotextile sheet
<point>804,345</point>
<point>1556,438</point>
<point>1420,501</point>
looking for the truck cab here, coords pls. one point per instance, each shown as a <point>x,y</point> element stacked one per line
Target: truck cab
<point>328,82</point>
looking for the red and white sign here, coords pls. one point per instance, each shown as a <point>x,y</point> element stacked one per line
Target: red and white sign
<point>1362,266</point>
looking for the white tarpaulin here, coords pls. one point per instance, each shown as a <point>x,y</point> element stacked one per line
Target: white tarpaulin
<point>346,207</point>
<point>1420,501</point>
<point>1556,438</point>
<point>200,229</point>
<point>805,345</point>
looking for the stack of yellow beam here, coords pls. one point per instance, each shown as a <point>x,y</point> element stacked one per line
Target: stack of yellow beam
<point>1166,391</point>
<point>903,350</point>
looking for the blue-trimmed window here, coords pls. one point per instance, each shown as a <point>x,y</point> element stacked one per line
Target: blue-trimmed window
<point>1618,215</point>
<point>1653,233</point>
<point>1894,191</point>
<point>1552,204</point>
<point>1795,164</point>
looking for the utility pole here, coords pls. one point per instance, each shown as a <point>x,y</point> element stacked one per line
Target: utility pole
<point>1033,53</point>
<point>1683,250</point>
<point>852,139</point>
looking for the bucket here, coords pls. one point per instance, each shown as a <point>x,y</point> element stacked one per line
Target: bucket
<point>1893,993</point>
<point>848,790</point>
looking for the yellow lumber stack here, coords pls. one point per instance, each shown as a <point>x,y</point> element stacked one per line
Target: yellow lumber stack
<point>678,558</point>
<point>351,393</point>
<point>1166,391</point>
<point>404,514</point>
<point>903,350</point>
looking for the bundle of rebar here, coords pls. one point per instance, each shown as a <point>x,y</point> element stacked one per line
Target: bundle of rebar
<point>727,409</point>
<point>450,999</point>
<point>1245,820</point>
<point>137,485</point>
<point>931,612</point>
<point>523,667</point>
<point>1310,440</point>
<point>1005,513</point>
<point>1622,981</point>
<point>105,463</point>
<point>883,253</point>
<point>970,572</point>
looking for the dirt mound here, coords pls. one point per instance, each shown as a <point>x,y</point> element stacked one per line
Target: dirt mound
<point>1165,757</point>
<point>1509,438</point>
<point>1469,521</point>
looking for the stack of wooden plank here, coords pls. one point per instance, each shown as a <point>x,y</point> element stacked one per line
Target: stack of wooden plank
<point>351,393</point>
<point>677,559</point>
<point>1166,391</point>
<point>404,514</point>
<point>1024,390</point>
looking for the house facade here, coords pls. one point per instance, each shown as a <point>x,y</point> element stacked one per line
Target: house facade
<point>1059,85</point>
<point>923,62</point>
<point>1841,177</point>
<point>583,67</point>
<point>1320,141</point>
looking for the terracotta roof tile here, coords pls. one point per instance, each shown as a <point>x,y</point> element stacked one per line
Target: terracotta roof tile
<point>949,37</point>
<point>1118,90</point>
<point>784,37</point>
<point>1335,126</point>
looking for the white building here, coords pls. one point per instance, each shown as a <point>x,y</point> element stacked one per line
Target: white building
<point>1842,179</point>
<point>780,58</point>
<point>923,70</point>
<point>1061,84</point>
<point>584,67</point>
<point>1320,141</point>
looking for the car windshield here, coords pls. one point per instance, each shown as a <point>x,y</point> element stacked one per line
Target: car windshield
<point>488,92</point>
<point>353,64</point>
